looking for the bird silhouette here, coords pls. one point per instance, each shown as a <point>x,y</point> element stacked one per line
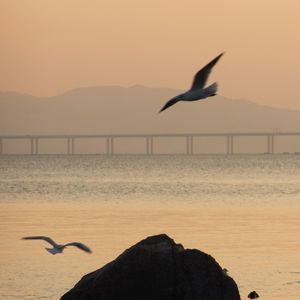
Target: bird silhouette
<point>58,248</point>
<point>197,91</point>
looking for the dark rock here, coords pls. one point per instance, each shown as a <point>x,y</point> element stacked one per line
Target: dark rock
<point>253,295</point>
<point>157,268</point>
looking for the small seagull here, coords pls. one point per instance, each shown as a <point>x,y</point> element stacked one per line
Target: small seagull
<point>253,295</point>
<point>197,91</point>
<point>225,272</point>
<point>56,247</point>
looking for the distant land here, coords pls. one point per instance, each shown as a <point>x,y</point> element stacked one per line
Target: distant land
<point>114,109</point>
<point>119,110</point>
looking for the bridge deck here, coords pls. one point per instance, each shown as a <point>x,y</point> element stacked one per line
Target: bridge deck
<point>149,149</point>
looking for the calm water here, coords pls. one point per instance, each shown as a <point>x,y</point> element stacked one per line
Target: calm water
<point>240,180</point>
<point>243,210</point>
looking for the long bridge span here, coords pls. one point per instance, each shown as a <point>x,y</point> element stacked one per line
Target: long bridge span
<point>149,139</point>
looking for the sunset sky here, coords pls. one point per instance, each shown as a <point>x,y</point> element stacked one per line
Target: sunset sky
<point>50,46</point>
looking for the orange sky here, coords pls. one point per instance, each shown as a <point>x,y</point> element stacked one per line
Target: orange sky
<point>50,46</point>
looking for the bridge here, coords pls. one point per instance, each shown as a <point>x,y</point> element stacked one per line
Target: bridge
<point>149,139</point>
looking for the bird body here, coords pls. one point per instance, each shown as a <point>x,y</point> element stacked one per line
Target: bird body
<point>200,94</point>
<point>55,250</point>
<point>197,91</point>
<point>56,247</point>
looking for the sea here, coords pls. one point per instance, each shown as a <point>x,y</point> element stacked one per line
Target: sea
<point>244,210</point>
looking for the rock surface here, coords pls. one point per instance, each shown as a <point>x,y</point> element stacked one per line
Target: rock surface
<point>157,268</point>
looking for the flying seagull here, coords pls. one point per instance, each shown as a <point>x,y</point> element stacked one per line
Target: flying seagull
<point>197,91</point>
<point>56,247</point>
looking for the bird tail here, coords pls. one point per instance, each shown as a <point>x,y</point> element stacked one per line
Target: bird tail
<point>212,89</point>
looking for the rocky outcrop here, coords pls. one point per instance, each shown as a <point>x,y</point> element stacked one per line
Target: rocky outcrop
<point>157,269</point>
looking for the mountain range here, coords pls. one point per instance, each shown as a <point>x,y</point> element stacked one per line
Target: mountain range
<point>117,110</point>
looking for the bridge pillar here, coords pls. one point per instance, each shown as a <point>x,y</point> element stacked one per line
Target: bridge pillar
<point>110,145</point>
<point>189,144</point>
<point>36,150</point>
<point>72,146</point>
<point>192,145</point>
<point>68,146</point>
<point>107,145</point>
<point>34,146</point>
<point>229,144</point>
<point>149,145</point>
<point>270,144</point>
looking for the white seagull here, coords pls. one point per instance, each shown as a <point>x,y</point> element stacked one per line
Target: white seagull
<point>56,247</point>
<point>197,91</point>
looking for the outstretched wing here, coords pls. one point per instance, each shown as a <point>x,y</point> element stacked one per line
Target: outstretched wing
<point>201,76</point>
<point>45,238</point>
<point>80,246</point>
<point>170,103</point>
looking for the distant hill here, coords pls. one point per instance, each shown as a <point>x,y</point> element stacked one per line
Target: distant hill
<point>114,109</point>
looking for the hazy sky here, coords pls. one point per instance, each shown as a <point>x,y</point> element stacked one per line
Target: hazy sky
<point>50,46</point>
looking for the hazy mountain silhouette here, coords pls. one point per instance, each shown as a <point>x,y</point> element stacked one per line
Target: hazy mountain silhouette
<point>114,109</point>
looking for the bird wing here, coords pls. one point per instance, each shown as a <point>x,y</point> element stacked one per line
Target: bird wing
<point>170,103</point>
<point>45,238</point>
<point>80,246</point>
<point>201,76</point>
